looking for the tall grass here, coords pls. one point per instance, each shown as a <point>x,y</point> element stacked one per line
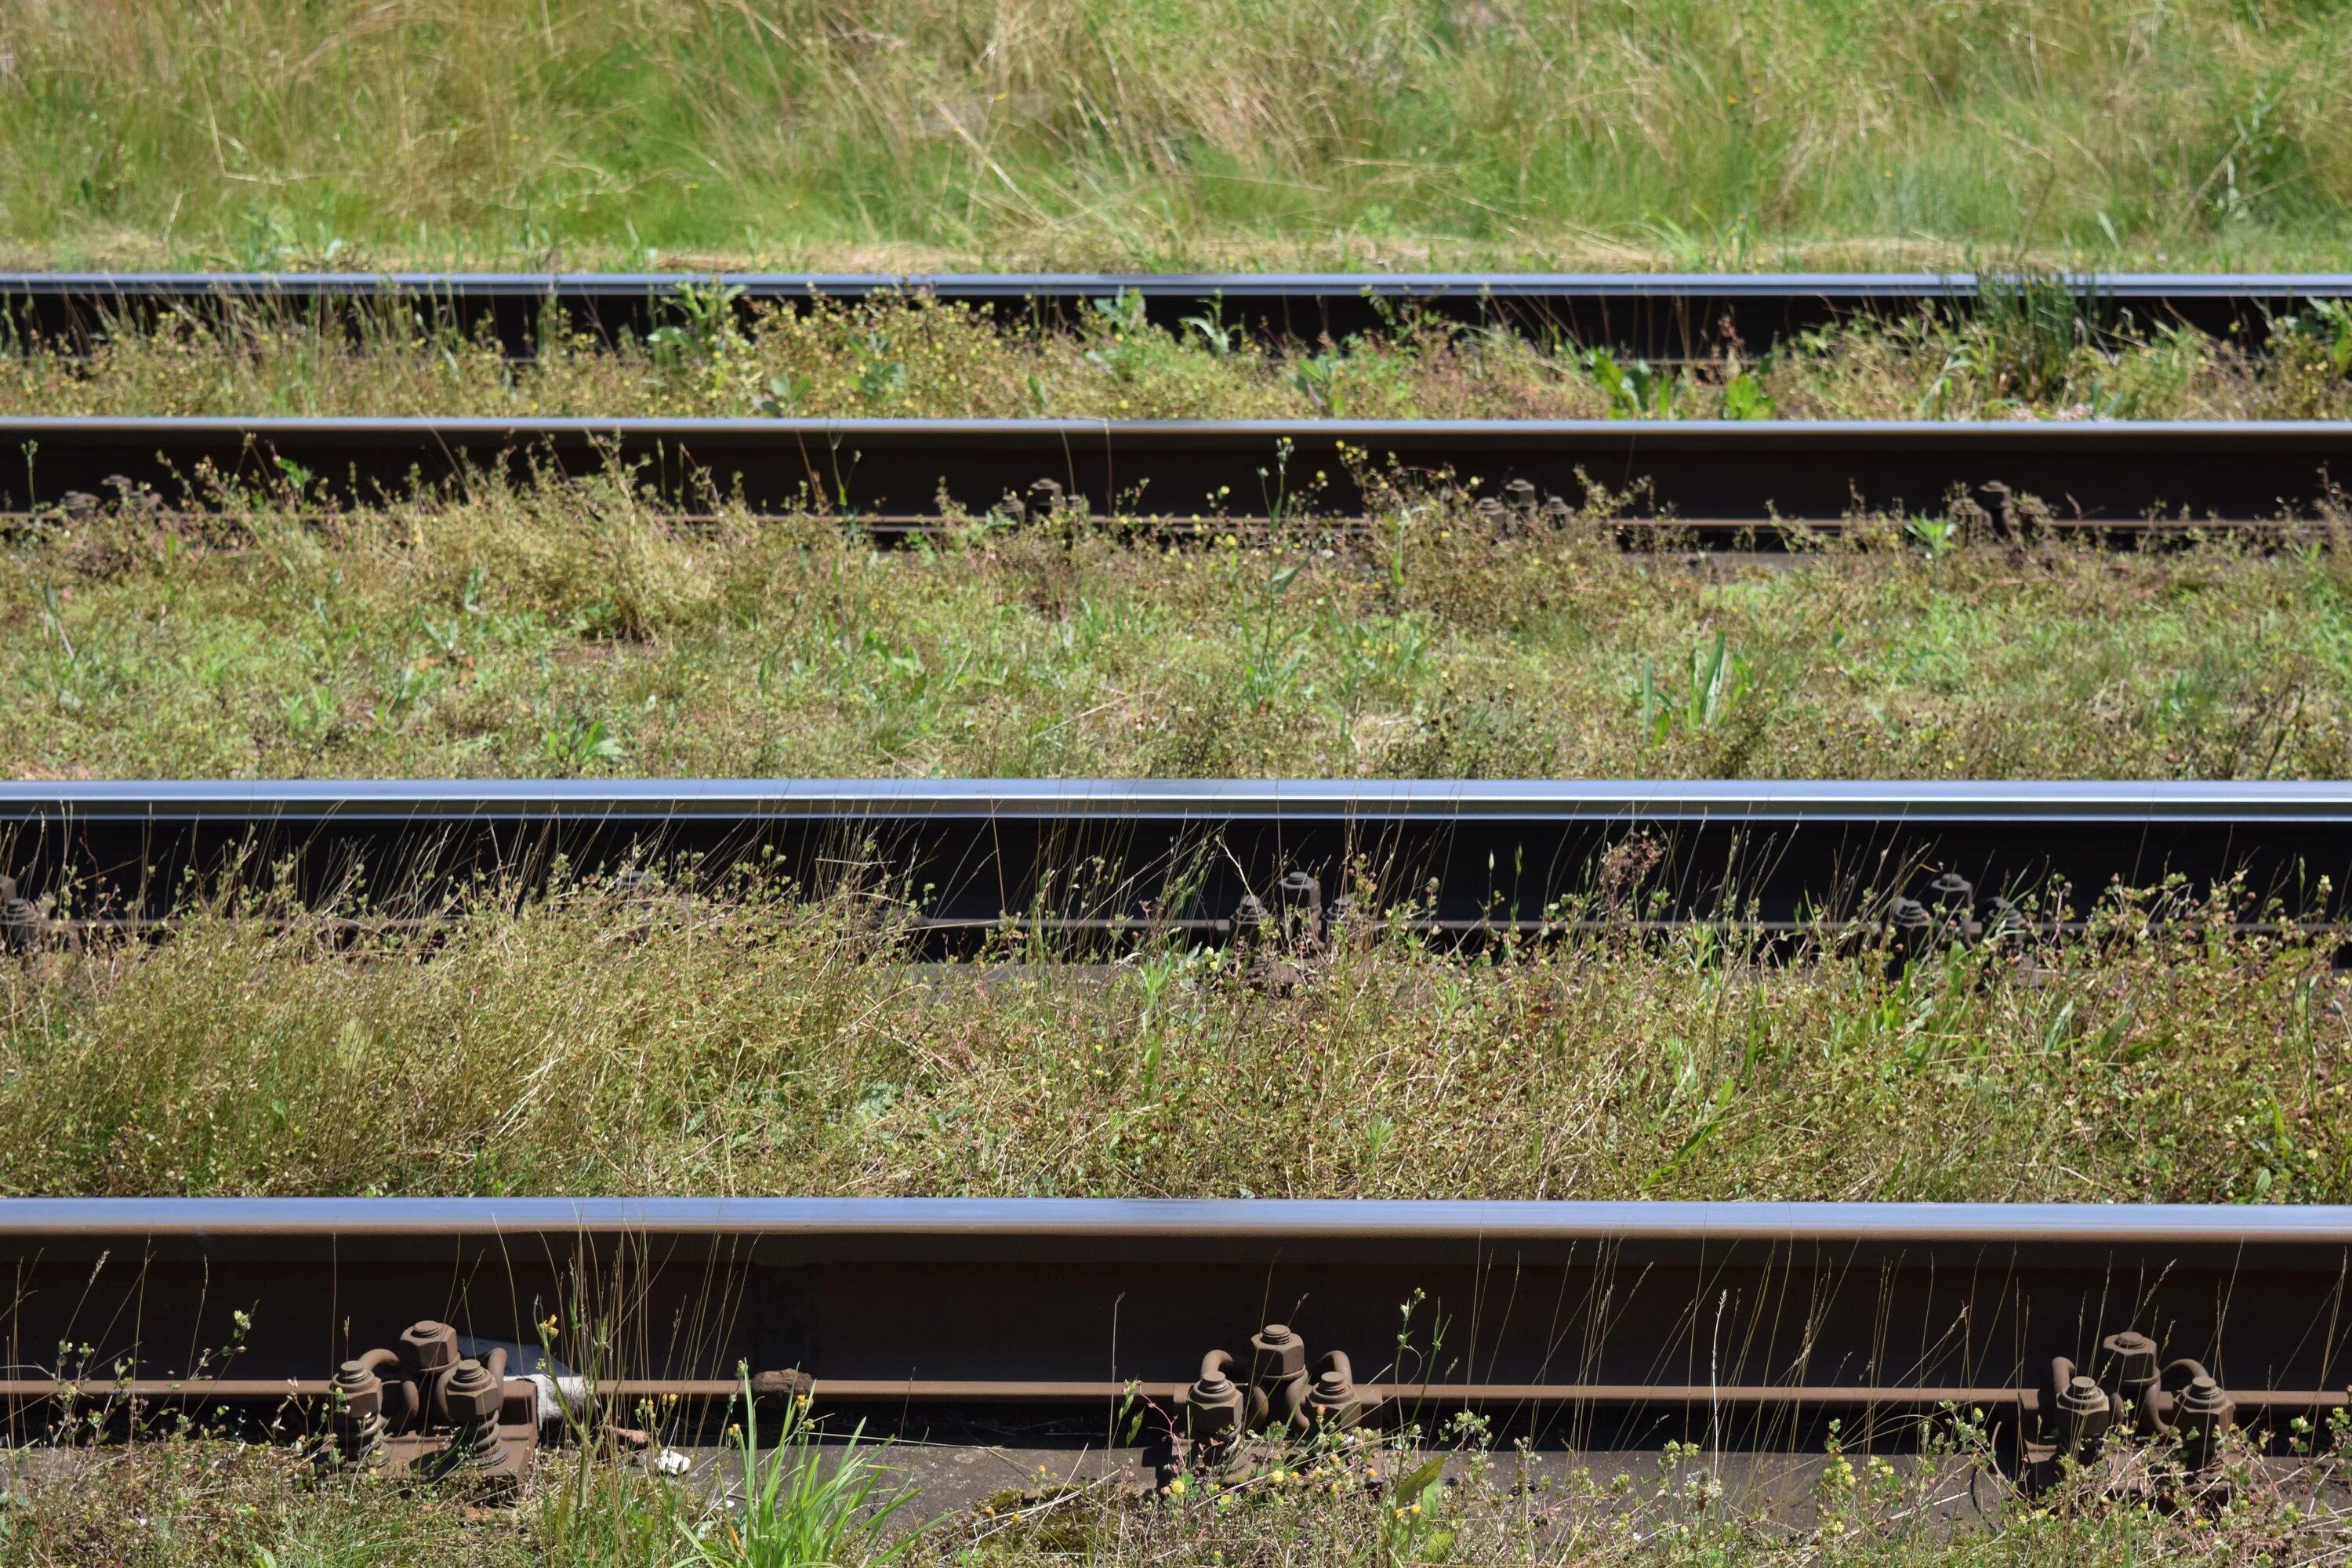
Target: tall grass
<point>906,132</point>
<point>603,1042</point>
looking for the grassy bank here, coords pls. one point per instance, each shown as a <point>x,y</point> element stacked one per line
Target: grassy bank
<point>603,1045</point>
<point>570,631</point>
<point>916,133</point>
<point>2026,355</point>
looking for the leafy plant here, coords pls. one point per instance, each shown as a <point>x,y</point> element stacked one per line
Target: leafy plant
<point>706,322</point>
<point>2326,325</point>
<point>803,1507</point>
<point>1744,397</point>
<point>1272,654</point>
<point>1718,681</point>
<point>1411,1529</point>
<point>577,742</point>
<point>1320,379</point>
<point>1939,536</point>
<point>1634,391</point>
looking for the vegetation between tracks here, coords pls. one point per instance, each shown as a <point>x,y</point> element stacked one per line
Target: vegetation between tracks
<point>2030,352</point>
<point>569,630</point>
<point>181,1503</point>
<point>919,134</point>
<point>625,1043</point>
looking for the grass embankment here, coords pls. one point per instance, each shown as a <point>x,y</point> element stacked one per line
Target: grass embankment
<point>918,133</point>
<point>569,631</point>
<point>602,1044</point>
<point>2028,352</point>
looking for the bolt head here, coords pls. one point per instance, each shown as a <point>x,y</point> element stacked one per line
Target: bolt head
<point>471,1393</point>
<point>429,1346</point>
<point>1280,1352</point>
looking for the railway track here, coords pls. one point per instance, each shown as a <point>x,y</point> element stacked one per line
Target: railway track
<point>1654,315</point>
<point>1091,861</point>
<point>1715,477</point>
<point>431,1330</point>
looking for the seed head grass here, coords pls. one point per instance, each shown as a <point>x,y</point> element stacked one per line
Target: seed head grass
<point>601,1041</point>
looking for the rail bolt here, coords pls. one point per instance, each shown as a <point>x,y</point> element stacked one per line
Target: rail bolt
<point>2086,1416</point>
<point>1301,900</point>
<point>21,925</point>
<point>429,1347</point>
<point>360,1425</point>
<point>1909,929</point>
<point>2131,1366</point>
<point>1279,1377</point>
<point>1556,510</point>
<point>1333,1399</point>
<point>1045,498</point>
<point>1280,1353</point>
<point>472,1394</point>
<point>2202,1414</point>
<point>1491,509</point>
<point>1520,495</point>
<point>1212,1406</point>
<point>1249,920</point>
<point>359,1391</point>
<point>1953,893</point>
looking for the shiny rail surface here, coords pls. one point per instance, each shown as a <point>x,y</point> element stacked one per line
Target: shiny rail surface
<point>1569,1321</point>
<point>1212,860</point>
<point>1655,315</point>
<point>2118,476</point>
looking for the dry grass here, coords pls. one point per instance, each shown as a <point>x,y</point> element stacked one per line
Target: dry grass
<point>600,1043</point>
<point>917,132</point>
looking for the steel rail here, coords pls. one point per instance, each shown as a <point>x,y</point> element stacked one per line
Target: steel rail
<point>1576,1321</point>
<point>1655,315</point>
<point>1212,859</point>
<point>2118,475</point>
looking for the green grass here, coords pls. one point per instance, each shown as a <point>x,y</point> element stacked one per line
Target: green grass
<point>204,1504</point>
<point>926,133</point>
<point>598,1043</point>
<point>568,630</point>
<point>906,357</point>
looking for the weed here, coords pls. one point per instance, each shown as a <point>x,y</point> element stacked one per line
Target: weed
<point>803,1505</point>
<point>1718,681</point>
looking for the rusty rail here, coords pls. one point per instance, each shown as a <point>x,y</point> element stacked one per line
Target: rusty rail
<point>2059,1329</point>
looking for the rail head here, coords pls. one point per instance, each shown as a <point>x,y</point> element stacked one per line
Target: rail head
<point>1258,1219</point>
<point>1194,800</point>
